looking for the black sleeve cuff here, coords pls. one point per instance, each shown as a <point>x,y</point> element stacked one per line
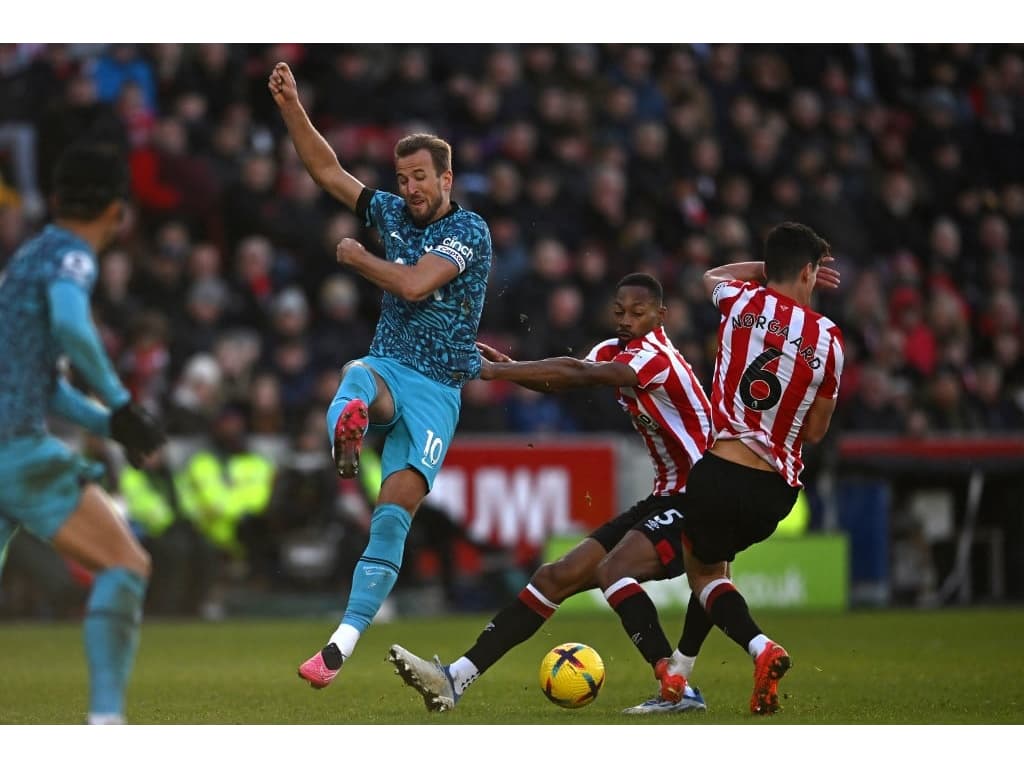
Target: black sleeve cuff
<point>363,203</point>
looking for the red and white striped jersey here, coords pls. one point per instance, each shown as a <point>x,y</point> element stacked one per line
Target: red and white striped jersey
<point>668,407</point>
<point>774,359</point>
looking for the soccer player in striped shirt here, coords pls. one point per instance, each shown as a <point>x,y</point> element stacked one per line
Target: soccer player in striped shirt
<point>657,388</point>
<point>775,385</point>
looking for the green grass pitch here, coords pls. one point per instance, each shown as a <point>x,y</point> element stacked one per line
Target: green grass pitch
<point>859,668</point>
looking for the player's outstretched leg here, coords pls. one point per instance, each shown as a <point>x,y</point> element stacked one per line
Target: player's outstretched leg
<point>512,625</point>
<point>431,679</point>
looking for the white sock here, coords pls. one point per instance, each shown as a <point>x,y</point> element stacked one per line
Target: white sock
<point>345,637</point>
<point>463,672</point>
<point>105,718</point>
<point>755,646</point>
<point>682,663</point>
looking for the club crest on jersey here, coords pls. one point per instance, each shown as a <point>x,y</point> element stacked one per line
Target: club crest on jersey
<point>647,422</point>
<point>78,266</point>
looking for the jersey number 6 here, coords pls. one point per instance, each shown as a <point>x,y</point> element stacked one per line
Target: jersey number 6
<point>761,389</point>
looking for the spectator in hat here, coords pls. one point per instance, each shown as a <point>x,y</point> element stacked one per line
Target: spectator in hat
<point>340,332</point>
<point>195,398</point>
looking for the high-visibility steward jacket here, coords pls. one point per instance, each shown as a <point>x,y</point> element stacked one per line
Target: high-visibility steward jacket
<point>153,498</point>
<point>370,472</point>
<point>799,518</point>
<point>221,490</point>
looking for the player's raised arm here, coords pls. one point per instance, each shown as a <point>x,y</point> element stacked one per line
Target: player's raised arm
<point>753,271</point>
<point>747,271</point>
<point>314,151</point>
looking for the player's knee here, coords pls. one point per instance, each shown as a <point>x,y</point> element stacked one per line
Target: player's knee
<point>405,488</point>
<point>547,579</point>
<point>608,571</point>
<point>139,563</point>
<point>561,579</point>
<point>116,590</point>
<point>699,578</point>
<point>349,365</point>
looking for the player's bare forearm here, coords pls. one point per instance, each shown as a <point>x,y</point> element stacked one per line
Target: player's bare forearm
<point>319,158</point>
<point>314,151</point>
<point>396,279</point>
<point>554,374</point>
<point>747,271</point>
<point>407,282</point>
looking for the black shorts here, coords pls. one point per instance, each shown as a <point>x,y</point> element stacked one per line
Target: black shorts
<point>730,506</point>
<point>660,519</point>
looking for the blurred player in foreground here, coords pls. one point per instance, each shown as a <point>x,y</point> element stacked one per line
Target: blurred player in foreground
<point>45,487</point>
<point>434,278</point>
<point>657,388</point>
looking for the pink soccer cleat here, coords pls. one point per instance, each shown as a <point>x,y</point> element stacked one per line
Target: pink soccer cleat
<point>315,671</point>
<point>348,437</point>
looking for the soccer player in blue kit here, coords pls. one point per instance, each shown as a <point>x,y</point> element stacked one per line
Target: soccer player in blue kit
<point>437,257</point>
<point>45,487</point>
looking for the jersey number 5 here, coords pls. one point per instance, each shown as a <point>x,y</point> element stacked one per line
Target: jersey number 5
<point>761,389</point>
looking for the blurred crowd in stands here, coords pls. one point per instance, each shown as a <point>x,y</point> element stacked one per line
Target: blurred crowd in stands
<point>224,308</point>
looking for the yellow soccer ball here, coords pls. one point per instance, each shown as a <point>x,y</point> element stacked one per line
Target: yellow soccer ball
<point>571,675</point>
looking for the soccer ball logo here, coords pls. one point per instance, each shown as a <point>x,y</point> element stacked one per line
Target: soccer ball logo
<point>571,675</point>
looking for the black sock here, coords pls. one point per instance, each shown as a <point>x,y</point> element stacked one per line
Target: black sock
<point>730,613</point>
<point>639,617</point>
<point>513,624</point>
<point>332,656</point>
<point>696,627</point>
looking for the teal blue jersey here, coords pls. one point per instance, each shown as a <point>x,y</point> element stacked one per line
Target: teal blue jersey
<point>436,336</point>
<point>44,314</point>
<point>28,363</point>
